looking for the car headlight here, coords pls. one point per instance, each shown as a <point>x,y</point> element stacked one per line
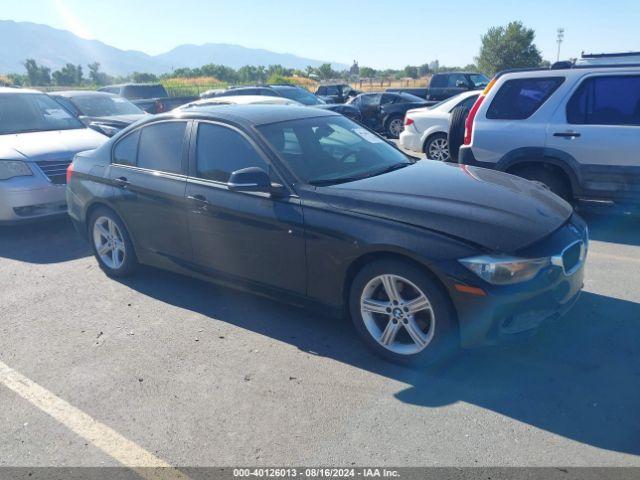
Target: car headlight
<point>14,168</point>
<point>504,270</point>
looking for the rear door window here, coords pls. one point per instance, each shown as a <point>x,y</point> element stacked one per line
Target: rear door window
<point>161,147</point>
<point>466,103</point>
<point>438,81</point>
<point>520,98</point>
<point>126,150</point>
<point>610,100</point>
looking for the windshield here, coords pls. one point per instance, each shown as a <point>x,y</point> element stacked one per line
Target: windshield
<point>328,150</point>
<point>479,80</point>
<point>104,106</point>
<point>33,112</point>
<point>300,95</point>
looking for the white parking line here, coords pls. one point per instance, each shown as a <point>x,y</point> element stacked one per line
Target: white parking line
<point>105,438</point>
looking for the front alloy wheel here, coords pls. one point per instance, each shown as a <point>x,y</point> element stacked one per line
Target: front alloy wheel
<point>397,314</point>
<point>402,312</point>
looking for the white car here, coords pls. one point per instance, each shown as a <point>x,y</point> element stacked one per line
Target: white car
<point>426,129</point>
<point>241,100</point>
<point>38,139</point>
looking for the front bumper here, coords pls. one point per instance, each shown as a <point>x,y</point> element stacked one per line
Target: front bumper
<point>510,312</point>
<point>31,202</point>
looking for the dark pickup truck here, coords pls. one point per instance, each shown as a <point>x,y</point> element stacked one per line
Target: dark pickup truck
<point>150,97</point>
<point>446,85</point>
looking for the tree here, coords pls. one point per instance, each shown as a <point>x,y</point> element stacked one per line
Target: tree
<point>434,66</point>
<point>143,77</point>
<point>367,72</point>
<point>508,47</point>
<point>96,76</point>
<point>38,75</point>
<point>325,72</point>
<point>410,71</point>
<point>68,75</point>
<point>424,70</point>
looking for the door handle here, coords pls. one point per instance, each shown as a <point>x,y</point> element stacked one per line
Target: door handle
<point>566,134</point>
<point>199,199</point>
<point>122,182</point>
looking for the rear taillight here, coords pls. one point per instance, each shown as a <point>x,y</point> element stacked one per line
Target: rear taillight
<point>69,172</point>
<point>408,121</point>
<point>468,124</point>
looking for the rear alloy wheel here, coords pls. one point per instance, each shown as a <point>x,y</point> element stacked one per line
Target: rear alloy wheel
<point>402,313</point>
<point>395,126</point>
<point>111,244</point>
<point>437,148</point>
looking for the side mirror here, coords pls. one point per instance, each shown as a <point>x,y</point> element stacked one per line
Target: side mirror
<point>252,179</point>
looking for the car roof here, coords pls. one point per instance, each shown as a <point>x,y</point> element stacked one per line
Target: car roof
<point>574,71</point>
<point>18,90</point>
<point>241,100</point>
<point>82,93</point>
<point>248,115</point>
<point>461,73</point>
<point>132,84</point>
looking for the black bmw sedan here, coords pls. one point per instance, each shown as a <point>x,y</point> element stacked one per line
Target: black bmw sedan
<point>308,206</point>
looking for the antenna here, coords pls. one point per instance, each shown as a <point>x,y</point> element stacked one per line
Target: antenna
<point>559,40</point>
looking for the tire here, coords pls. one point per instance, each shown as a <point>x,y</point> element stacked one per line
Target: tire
<point>552,179</point>
<point>111,244</point>
<point>437,147</point>
<point>380,321</point>
<point>456,131</point>
<point>394,127</point>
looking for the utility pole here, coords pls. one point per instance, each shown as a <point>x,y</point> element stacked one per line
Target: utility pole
<point>559,41</point>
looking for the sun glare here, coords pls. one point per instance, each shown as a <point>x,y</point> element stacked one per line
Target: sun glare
<point>71,21</point>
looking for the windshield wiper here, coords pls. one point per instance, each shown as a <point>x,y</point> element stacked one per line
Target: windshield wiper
<point>333,181</point>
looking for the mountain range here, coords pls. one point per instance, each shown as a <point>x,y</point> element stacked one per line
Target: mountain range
<point>54,48</point>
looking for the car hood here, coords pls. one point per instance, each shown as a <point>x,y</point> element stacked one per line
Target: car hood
<point>53,145</point>
<point>117,120</point>
<point>494,210</point>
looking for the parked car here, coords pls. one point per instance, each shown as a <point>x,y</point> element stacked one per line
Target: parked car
<point>446,85</point>
<point>150,97</point>
<point>240,100</point>
<point>421,92</point>
<point>37,141</point>
<point>105,112</point>
<point>295,93</point>
<point>576,130</point>
<point>254,90</point>
<point>336,92</point>
<point>309,206</point>
<point>426,129</point>
<point>384,112</point>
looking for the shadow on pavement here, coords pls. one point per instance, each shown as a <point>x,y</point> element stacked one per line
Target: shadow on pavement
<point>580,378</point>
<point>622,229</point>
<point>49,241</point>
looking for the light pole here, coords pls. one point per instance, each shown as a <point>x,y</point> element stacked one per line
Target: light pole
<point>559,40</point>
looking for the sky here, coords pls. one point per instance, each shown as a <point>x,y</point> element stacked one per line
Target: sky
<point>376,33</point>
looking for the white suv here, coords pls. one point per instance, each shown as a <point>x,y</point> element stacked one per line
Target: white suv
<point>576,129</point>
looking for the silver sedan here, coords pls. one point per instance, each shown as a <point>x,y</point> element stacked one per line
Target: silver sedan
<point>38,140</point>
